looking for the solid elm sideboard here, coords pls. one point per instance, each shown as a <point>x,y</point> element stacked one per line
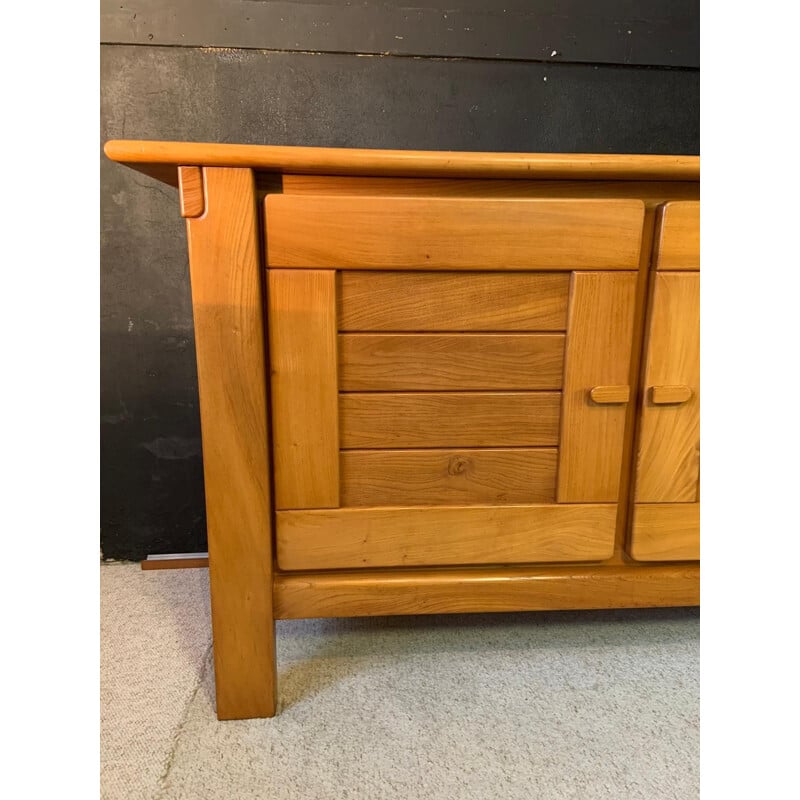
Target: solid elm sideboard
<point>437,382</point>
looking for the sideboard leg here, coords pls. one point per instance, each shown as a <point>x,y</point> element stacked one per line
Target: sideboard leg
<point>228,304</point>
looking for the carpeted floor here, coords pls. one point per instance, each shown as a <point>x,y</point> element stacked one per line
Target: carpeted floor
<point>485,707</point>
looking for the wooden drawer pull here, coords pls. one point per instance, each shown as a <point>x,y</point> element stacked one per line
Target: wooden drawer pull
<point>665,395</point>
<point>610,394</point>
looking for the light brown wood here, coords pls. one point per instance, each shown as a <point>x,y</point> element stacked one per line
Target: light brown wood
<point>467,445</point>
<point>610,394</point>
<point>599,342</point>
<point>655,192</point>
<point>302,345</point>
<point>450,419</point>
<point>452,233</point>
<point>432,163</point>
<point>448,477</point>
<point>679,236</point>
<point>191,192</point>
<point>447,301</point>
<point>665,395</point>
<point>666,532</point>
<point>425,536</point>
<point>408,361</point>
<point>668,465</point>
<point>231,369</point>
<point>175,563</point>
<point>475,590</point>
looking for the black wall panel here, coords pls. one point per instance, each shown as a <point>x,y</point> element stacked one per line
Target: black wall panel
<point>642,32</point>
<point>151,491</point>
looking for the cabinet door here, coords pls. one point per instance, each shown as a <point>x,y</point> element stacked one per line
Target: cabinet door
<point>448,416</point>
<point>666,508</point>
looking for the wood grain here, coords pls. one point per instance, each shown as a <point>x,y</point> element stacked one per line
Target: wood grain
<point>175,563</point>
<point>302,344</point>
<point>408,361</point>
<point>452,233</point>
<point>447,301</point>
<point>666,395</point>
<point>475,590</point>
<point>451,419</point>
<point>425,536</point>
<point>231,368</point>
<point>666,532</point>
<point>679,236</point>
<point>421,163</point>
<point>515,213</point>
<point>668,464</point>
<point>599,342</point>
<point>448,477</point>
<point>610,394</point>
<point>651,191</point>
<point>190,191</point>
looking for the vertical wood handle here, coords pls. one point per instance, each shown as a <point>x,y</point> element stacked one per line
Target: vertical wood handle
<point>670,395</point>
<point>605,395</point>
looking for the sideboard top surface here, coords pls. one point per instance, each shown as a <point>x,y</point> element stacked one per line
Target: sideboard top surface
<point>161,159</point>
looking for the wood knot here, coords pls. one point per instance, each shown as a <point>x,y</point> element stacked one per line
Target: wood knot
<point>457,465</point>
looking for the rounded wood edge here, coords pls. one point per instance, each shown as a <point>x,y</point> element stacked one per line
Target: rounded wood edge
<point>420,163</point>
<point>350,593</point>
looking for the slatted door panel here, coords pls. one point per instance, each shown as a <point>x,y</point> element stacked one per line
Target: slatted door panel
<point>447,440</point>
<point>451,393</point>
<point>450,387</point>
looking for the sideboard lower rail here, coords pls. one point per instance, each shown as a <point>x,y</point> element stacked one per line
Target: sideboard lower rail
<point>464,590</point>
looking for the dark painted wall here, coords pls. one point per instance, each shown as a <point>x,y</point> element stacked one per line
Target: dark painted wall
<point>283,73</point>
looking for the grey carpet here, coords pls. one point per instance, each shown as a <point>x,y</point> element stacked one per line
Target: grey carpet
<point>549,705</point>
<point>155,636</point>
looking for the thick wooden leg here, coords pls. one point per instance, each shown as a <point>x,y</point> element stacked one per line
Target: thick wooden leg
<point>227,297</point>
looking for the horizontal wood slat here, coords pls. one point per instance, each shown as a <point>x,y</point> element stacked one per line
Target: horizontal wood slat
<point>654,192</point>
<point>451,419</point>
<point>447,477</point>
<point>408,361</point>
<point>679,236</point>
<point>389,537</point>
<point>473,590</point>
<point>452,233</point>
<point>446,301</point>
<point>666,532</point>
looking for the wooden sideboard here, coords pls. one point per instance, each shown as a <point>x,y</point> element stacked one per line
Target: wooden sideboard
<point>437,382</point>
